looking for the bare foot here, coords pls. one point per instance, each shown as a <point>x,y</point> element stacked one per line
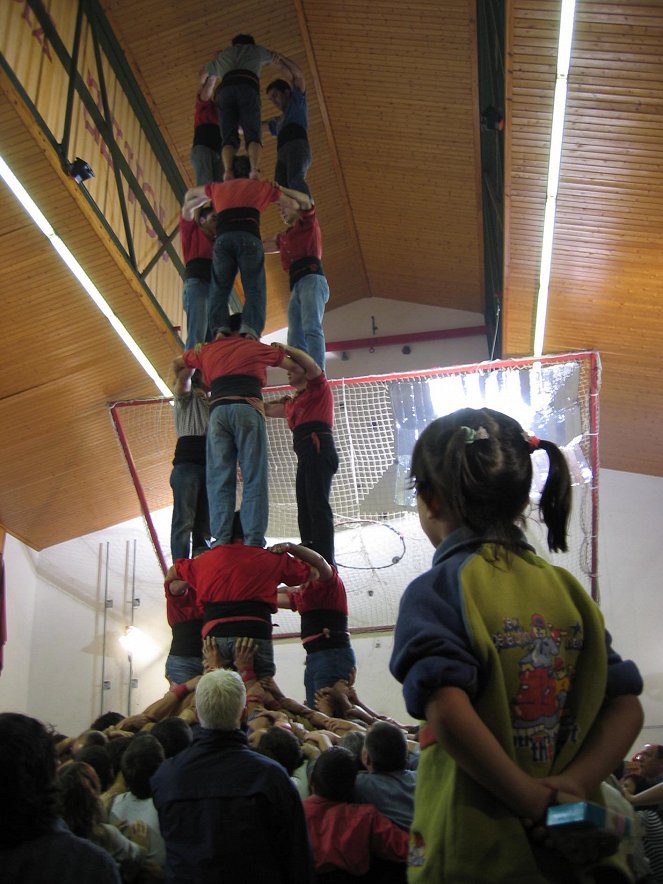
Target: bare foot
<point>255,174</point>
<point>228,175</point>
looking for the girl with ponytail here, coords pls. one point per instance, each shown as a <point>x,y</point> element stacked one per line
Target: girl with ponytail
<point>505,659</point>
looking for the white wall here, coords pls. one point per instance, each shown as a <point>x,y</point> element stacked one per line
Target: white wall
<point>630,568</point>
<point>355,321</point>
<point>20,592</point>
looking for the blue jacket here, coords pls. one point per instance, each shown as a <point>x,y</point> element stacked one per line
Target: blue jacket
<point>229,814</point>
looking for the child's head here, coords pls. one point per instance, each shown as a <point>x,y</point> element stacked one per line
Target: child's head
<point>473,468</point>
<point>334,774</point>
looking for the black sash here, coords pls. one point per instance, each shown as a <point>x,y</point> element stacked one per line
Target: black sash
<point>187,641</point>
<point>190,449</point>
<point>207,135</point>
<point>198,268</point>
<point>329,627</point>
<point>241,77</point>
<point>303,267</point>
<point>248,618</point>
<point>244,218</point>
<point>246,385</point>
<point>291,132</point>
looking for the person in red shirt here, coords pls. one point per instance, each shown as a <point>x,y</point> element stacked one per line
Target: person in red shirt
<point>238,204</point>
<point>310,416</point>
<point>344,835</point>
<point>237,587</point>
<point>197,231</point>
<point>185,618</point>
<point>300,247</point>
<point>235,369</point>
<point>206,150</point>
<point>323,605</point>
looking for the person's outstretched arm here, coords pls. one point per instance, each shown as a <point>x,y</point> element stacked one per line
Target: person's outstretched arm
<point>208,83</point>
<point>293,199</point>
<point>305,554</point>
<point>302,358</point>
<point>292,68</point>
<point>183,375</point>
<point>193,199</point>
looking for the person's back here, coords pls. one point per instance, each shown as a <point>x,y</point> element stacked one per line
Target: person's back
<point>521,651</point>
<point>240,57</point>
<point>392,793</point>
<point>387,784</point>
<point>505,657</point>
<point>139,763</point>
<point>57,856</point>
<point>347,836</point>
<point>35,844</point>
<point>226,812</point>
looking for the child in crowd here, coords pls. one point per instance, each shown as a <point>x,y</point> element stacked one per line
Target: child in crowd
<point>347,836</point>
<point>506,659</point>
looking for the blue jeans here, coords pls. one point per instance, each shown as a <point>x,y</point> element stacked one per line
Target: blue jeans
<point>325,668</point>
<point>189,528</point>
<point>206,164</point>
<point>181,669</point>
<point>233,251</point>
<point>195,296</point>
<point>305,311</point>
<point>293,160</point>
<point>237,433</point>
<point>263,662</point>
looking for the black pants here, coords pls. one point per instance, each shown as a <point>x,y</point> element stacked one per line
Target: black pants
<point>317,461</point>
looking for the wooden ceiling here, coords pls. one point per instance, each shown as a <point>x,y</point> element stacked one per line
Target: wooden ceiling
<point>396,175</point>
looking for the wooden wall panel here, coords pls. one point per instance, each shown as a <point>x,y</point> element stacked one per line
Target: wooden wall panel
<point>607,274</point>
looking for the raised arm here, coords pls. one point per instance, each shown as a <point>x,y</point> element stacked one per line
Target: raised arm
<point>193,199</point>
<point>173,584</point>
<point>310,366</point>
<point>183,375</point>
<point>294,199</point>
<point>289,364</point>
<point>288,66</point>
<point>208,81</point>
<point>304,554</point>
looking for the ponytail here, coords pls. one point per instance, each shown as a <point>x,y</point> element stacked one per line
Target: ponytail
<point>555,503</point>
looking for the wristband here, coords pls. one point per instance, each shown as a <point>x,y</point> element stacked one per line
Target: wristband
<point>180,691</point>
<point>247,675</point>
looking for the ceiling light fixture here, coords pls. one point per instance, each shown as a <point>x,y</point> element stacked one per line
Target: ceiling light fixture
<point>556,138</point>
<point>93,292</point>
